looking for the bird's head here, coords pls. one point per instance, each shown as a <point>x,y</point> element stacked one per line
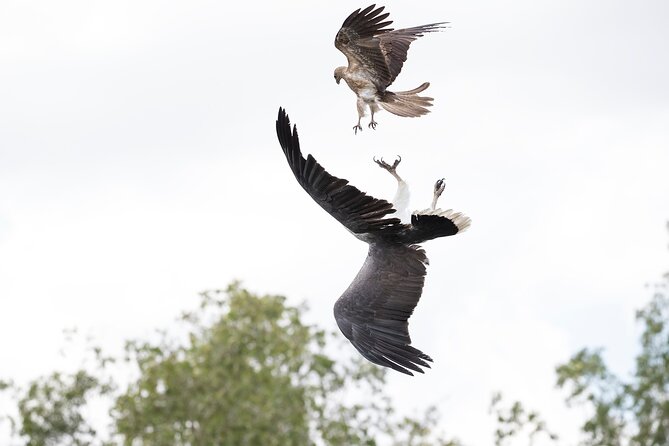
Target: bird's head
<point>339,73</point>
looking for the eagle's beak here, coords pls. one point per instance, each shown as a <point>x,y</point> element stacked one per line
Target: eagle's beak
<point>338,80</point>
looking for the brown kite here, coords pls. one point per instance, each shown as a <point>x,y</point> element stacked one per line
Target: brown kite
<point>375,56</point>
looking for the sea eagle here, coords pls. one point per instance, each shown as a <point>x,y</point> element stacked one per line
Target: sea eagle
<point>375,57</point>
<point>373,312</point>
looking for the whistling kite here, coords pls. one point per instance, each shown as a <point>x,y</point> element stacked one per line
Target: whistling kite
<point>373,312</point>
<point>375,57</point>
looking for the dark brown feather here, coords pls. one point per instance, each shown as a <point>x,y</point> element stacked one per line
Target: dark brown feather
<point>395,45</point>
<point>357,211</point>
<point>366,40</point>
<point>373,312</point>
<point>428,227</point>
<point>357,40</point>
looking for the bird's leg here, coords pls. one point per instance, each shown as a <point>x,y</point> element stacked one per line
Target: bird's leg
<point>357,126</point>
<point>389,168</point>
<point>372,123</point>
<point>361,112</point>
<point>439,187</point>
<point>402,196</point>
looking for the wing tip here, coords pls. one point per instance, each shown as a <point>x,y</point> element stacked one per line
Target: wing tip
<point>367,17</point>
<point>282,122</point>
<point>282,114</point>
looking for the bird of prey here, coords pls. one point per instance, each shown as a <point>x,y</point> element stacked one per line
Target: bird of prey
<point>375,56</point>
<point>373,312</point>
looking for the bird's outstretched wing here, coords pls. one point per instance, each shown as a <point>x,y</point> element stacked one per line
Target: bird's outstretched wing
<point>366,42</point>
<point>429,224</point>
<point>357,211</point>
<point>395,45</point>
<point>373,312</point>
<point>357,40</point>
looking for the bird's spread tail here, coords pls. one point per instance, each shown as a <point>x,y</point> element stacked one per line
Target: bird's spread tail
<point>429,224</point>
<point>407,103</point>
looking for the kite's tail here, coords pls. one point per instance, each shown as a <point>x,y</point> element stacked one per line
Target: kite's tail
<point>407,103</point>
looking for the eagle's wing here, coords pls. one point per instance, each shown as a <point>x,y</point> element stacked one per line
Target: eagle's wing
<point>358,40</point>
<point>429,224</point>
<point>357,211</point>
<point>395,45</point>
<point>373,312</point>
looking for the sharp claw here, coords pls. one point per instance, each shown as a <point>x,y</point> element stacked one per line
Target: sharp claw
<point>381,163</point>
<point>387,166</point>
<point>356,128</point>
<point>372,125</point>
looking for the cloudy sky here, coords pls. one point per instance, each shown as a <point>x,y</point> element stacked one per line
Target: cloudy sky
<point>139,166</point>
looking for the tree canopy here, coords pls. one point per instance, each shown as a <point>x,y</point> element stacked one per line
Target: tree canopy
<point>244,370</point>
<point>631,411</point>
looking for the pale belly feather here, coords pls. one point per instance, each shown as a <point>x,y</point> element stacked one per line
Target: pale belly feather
<point>362,86</point>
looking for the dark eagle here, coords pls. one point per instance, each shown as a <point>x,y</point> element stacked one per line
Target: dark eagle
<point>373,312</point>
<point>375,57</point>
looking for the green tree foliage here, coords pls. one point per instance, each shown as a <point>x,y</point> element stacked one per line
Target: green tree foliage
<point>241,370</point>
<point>50,410</point>
<point>242,380</point>
<point>635,411</point>
<point>515,421</point>
<point>623,412</point>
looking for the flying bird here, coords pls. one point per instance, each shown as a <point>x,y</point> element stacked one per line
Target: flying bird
<point>374,310</point>
<point>375,56</point>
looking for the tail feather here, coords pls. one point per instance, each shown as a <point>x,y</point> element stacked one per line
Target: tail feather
<point>429,224</point>
<point>407,103</point>
<point>418,89</point>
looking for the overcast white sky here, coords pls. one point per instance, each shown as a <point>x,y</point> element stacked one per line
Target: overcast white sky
<point>139,166</point>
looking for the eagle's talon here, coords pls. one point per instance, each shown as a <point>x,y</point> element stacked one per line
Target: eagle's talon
<point>372,125</point>
<point>381,163</point>
<point>387,166</point>
<point>397,162</point>
<point>356,128</point>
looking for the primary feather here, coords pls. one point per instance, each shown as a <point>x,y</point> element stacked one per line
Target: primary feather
<point>374,310</point>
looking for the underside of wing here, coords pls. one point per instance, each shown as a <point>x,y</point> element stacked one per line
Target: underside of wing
<point>357,211</point>
<point>373,312</point>
<point>395,45</point>
<point>358,40</point>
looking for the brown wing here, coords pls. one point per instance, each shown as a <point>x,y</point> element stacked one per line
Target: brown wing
<point>357,211</point>
<point>367,43</point>
<point>373,312</point>
<point>395,45</point>
<point>357,39</point>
